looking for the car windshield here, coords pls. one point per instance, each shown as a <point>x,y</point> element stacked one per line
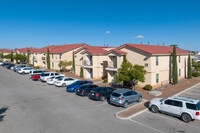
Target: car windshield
<point>45,74</point>
<point>198,105</point>
<point>60,79</point>
<point>98,88</point>
<point>83,87</point>
<point>116,94</point>
<point>76,83</point>
<point>52,77</point>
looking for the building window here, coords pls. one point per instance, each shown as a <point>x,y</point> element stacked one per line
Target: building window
<point>52,56</point>
<point>156,60</point>
<point>157,78</point>
<point>179,72</point>
<point>52,64</point>
<point>60,56</point>
<point>179,58</point>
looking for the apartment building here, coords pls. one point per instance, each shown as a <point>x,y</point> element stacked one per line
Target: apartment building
<point>157,61</point>
<point>5,52</point>
<point>93,60</point>
<point>57,53</point>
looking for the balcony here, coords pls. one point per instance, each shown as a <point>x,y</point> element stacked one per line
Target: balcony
<point>43,59</point>
<point>88,64</point>
<point>111,66</point>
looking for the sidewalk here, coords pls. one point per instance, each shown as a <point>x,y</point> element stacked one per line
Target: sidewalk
<point>166,92</point>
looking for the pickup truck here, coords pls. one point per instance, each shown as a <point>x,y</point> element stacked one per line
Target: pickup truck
<point>35,77</point>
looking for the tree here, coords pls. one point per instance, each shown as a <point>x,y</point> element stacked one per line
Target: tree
<point>48,59</point>
<point>129,73</point>
<point>174,67</point>
<point>20,58</point>
<point>189,67</point>
<point>1,55</point>
<point>124,58</point>
<point>81,72</point>
<point>73,65</point>
<point>9,56</point>
<point>28,56</point>
<point>174,45</point>
<point>64,64</point>
<point>33,60</point>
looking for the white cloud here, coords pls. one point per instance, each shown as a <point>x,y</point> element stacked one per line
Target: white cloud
<point>139,36</point>
<point>107,32</point>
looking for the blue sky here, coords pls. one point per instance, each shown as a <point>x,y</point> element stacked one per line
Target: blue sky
<point>39,23</point>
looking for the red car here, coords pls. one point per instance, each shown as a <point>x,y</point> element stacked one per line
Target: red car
<point>35,77</point>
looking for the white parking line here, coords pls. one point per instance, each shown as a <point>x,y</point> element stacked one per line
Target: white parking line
<point>171,119</point>
<point>101,104</point>
<point>146,126</point>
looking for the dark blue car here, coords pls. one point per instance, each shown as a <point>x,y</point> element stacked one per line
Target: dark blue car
<point>72,87</point>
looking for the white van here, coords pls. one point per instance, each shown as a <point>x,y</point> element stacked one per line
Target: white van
<point>36,71</point>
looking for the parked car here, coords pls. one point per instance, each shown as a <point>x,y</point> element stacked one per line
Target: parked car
<point>36,72</point>
<point>123,97</point>
<point>65,81</point>
<point>186,108</point>
<point>1,63</point>
<point>25,70</point>
<point>4,64</point>
<point>84,90</point>
<point>53,79</point>
<point>9,66</point>
<point>35,77</point>
<point>72,87</point>
<point>18,67</point>
<point>45,75</point>
<point>101,93</point>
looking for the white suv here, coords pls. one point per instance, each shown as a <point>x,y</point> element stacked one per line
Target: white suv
<point>44,76</point>
<point>186,108</point>
<point>25,70</point>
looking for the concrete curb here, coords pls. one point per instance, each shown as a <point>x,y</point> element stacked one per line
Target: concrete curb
<point>126,118</point>
<point>140,112</point>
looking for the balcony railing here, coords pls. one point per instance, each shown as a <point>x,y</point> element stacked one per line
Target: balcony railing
<point>87,63</point>
<point>112,64</point>
<point>43,58</point>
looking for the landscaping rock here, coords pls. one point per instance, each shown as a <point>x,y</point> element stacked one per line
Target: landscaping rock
<point>155,93</point>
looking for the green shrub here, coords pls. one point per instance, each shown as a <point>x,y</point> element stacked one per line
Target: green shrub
<point>195,74</point>
<point>148,87</point>
<point>30,64</point>
<point>105,80</point>
<point>57,71</point>
<point>37,67</point>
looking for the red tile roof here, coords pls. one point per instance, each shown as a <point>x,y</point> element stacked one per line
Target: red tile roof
<point>24,50</point>
<point>58,48</point>
<point>156,49</point>
<point>117,51</point>
<point>5,51</point>
<point>92,50</point>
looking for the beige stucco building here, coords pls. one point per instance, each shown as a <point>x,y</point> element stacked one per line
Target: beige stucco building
<point>93,60</point>
<point>156,60</point>
<point>57,53</point>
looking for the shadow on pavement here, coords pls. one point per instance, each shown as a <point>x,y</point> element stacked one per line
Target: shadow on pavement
<point>2,111</point>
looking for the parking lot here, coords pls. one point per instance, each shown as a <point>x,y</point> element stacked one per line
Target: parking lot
<point>35,107</point>
<point>167,124</point>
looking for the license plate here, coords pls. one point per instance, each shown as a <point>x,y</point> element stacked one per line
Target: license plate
<point>93,94</point>
<point>114,98</point>
<point>78,90</point>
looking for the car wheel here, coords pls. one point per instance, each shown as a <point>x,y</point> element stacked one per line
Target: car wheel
<point>23,73</point>
<point>154,109</point>
<point>139,100</point>
<point>186,117</point>
<point>125,105</point>
<point>63,85</point>
<point>102,98</point>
